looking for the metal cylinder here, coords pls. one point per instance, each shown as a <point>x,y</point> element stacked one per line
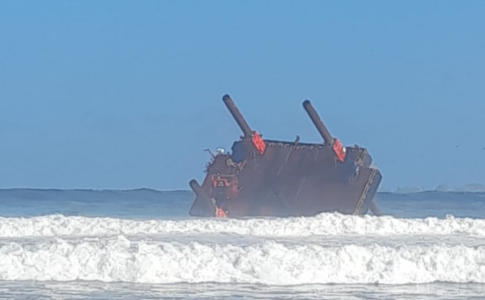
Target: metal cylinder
<point>322,129</point>
<point>236,114</point>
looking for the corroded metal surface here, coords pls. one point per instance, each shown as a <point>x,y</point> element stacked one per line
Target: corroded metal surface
<point>262,177</point>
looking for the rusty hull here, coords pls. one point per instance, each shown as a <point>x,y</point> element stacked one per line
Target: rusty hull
<point>289,178</point>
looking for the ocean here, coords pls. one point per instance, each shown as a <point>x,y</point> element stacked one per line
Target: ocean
<point>141,244</point>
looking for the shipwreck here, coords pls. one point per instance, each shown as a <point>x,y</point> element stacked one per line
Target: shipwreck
<point>263,177</point>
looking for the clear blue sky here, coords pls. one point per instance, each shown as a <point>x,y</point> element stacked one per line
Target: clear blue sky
<point>127,94</point>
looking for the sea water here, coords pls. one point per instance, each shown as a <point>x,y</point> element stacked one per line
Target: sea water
<point>141,244</point>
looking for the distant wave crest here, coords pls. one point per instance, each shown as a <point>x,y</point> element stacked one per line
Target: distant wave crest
<point>324,224</point>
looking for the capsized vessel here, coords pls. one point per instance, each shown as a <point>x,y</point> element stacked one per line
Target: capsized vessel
<point>263,177</point>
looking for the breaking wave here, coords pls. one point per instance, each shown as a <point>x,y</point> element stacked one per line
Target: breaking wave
<point>324,224</point>
<point>269,262</point>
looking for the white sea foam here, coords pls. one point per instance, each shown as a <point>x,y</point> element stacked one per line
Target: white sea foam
<point>324,224</point>
<point>270,262</point>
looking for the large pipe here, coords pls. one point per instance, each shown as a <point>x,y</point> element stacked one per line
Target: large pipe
<point>237,115</point>
<point>327,137</point>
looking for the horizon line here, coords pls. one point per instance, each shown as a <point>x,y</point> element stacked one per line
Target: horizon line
<point>400,190</point>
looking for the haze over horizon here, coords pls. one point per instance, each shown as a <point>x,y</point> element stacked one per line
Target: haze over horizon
<point>470,188</point>
<point>125,94</point>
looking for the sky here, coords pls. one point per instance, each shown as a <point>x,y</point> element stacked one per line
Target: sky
<point>128,94</point>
